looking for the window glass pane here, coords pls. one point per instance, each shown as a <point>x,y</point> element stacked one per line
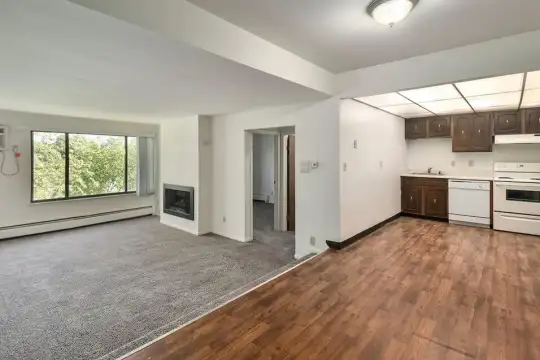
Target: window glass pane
<point>96,164</point>
<point>49,171</point>
<point>132,164</point>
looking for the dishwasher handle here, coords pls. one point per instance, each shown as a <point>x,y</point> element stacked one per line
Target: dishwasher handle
<point>469,185</point>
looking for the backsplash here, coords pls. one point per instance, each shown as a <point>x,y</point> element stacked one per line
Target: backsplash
<point>437,153</point>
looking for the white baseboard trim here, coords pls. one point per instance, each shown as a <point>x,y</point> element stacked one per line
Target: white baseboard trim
<point>73,222</point>
<point>237,238</point>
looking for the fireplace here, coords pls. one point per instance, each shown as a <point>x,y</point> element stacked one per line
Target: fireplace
<point>179,201</point>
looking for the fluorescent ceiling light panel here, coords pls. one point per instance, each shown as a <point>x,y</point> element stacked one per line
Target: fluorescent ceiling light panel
<point>493,85</point>
<point>384,100</point>
<point>505,101</point>
<point>445,107</point>
<point>533,80</point>
<point>434,93</point>
<point>409,110</point>
<point>531,98</point>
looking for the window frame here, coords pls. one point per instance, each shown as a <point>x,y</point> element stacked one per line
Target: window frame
<point>67,177</point>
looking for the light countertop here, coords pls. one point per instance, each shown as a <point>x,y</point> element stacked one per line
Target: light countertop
<point>453,176</point>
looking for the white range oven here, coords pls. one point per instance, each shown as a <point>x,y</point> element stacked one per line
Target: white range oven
<point>516,197</point>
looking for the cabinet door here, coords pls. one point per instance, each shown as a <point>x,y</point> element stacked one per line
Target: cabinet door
<point>415,128</point>
<point>482,139</point>
<point>411,199</point>
<point>506,123</point>
<point>472,133</point>
<point>436,202</point>
<point>439,127</point>
<point>532,121</point>
<point>461,138</point>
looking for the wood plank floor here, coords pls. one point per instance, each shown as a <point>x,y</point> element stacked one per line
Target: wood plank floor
<point>415,289</point>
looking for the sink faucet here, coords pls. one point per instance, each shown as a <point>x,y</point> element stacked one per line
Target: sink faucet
<point>429,170</point>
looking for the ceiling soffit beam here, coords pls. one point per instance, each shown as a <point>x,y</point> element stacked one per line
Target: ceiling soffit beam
<point>183,21</point>
<point>513,54</point>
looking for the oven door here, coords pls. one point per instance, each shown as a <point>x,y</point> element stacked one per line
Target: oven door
<point>517,198</point>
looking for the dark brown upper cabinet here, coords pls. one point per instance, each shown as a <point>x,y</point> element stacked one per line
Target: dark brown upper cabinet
<point>415,128</point>
<point>439,126</point>
<point>472,133</point>
<point>506,123</point>
<point>531,121</point>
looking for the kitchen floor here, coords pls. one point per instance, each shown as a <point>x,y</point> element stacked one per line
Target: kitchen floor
<point>415,289</point>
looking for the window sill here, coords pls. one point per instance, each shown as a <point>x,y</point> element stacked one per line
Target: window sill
<point>91,197</point>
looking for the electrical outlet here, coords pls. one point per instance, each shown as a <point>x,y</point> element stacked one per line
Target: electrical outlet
<point>224,219</point>
<point>355,144</point>
<point>471,163</point>
<point>344,166</point>
<point>381,164</point>
<point>312,240</point>
<point>453,163</point>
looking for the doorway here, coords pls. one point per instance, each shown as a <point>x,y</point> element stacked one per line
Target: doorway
<point>270,210</point>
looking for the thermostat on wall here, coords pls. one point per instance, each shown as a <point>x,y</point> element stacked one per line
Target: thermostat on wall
<point>3,137</point>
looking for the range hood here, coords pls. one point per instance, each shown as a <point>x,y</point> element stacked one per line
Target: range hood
<point>518,139</point>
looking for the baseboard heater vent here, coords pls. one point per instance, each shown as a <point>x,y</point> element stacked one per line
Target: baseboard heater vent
<point>72,222</point>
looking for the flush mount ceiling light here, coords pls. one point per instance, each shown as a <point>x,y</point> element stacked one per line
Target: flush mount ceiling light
<point>389,12</point>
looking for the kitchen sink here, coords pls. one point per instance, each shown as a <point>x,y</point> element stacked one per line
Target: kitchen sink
<point>430,174</point>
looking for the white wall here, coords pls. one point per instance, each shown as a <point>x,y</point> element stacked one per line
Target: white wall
<point>263,167</point>
<point>317,193</point>
<point>370,186</point>
<point>186,161</point>
<point>437,153</point>
<point>205,174</point>
<point>15,191</point>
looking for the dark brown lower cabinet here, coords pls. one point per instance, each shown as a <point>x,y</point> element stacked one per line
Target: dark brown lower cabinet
<point>424,196</point>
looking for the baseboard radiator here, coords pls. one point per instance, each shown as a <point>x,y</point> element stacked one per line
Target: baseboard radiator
<point>72,222</point>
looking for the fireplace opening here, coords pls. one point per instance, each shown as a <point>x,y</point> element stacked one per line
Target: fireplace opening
<point>179,201</point>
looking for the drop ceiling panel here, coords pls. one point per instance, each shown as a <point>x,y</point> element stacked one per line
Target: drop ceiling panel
<point>433,93</point>
<point>389,99</point>
<point>492,85</point>
<point>445,107</point>
<point>533,80</point>
<point>407,111</point>
<point>531,98</point>
<point>505,101</point>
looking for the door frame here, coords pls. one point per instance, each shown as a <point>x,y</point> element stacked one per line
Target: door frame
<point>280,188</point>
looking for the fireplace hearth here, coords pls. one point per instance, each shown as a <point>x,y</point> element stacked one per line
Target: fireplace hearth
<point>179,201</point>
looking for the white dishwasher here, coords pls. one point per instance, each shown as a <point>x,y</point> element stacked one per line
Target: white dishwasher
<point>469,202</point>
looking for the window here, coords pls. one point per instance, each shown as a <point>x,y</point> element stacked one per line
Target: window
<point>70,166</point>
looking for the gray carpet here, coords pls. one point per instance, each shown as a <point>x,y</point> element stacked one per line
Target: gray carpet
<point>263,230</point>
<point>102,291</point>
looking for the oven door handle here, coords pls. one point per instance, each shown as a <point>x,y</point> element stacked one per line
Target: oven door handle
<point>517,185</point>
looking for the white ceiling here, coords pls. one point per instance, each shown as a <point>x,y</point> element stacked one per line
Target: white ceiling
<point>338,35</point>
<point>58,57</point>
<point>509,92</point>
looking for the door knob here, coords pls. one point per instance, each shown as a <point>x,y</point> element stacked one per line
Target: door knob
<point>507,121</point>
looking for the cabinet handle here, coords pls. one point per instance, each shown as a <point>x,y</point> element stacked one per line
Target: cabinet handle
<point>507,121</point>
<point>439,126</point>
<point>479,131</point>
<point>411,198</point>
<point>434,201</point>
<point>463,131</point>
